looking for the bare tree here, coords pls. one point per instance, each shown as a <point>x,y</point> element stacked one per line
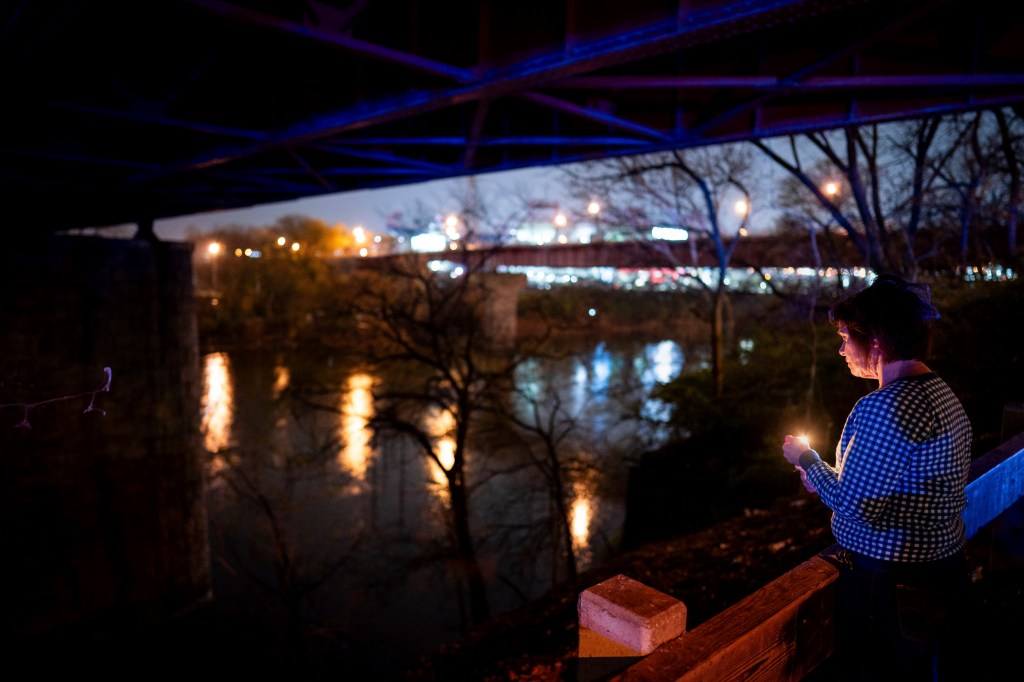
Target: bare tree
<point>546,429</point>
<point>430,326</point>
<point>439,329</point>
<point>853,154</point>
<point>688,189</point>
<point>1011,141</point>
<point>901,183</point>
<point>981,185</point>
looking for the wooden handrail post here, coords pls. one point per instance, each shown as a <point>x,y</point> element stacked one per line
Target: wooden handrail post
<point>782,631</point>
<point>621,621</point>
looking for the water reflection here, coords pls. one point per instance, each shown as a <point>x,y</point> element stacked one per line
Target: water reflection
<point>580,526</point>
<point>383,502</point>
<point>356,412</point>
<point>282,377</point>
<point>664,362</point>
<point>439,424</point>
<point>600,369</point>
<point>580,390</point>
<point>218,402</point>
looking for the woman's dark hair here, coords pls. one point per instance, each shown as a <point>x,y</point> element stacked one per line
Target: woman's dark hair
<point>894,313</point>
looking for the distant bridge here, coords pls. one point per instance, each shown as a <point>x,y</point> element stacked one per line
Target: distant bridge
<point>760,252</point>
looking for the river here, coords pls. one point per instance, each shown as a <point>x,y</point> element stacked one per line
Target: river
<point>314,523</point>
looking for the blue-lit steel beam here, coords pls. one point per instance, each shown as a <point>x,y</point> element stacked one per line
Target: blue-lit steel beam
<point>656,38</point>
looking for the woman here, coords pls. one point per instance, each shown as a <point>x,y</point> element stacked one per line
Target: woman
<point>896,491</point>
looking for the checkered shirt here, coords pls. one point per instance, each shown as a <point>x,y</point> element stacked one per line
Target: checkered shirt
<point>897,489</point>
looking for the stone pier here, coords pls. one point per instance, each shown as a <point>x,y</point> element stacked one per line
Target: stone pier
<point>102,510</point>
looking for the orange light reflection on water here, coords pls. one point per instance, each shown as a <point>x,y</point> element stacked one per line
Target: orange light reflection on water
<point>439,424</point>
<point>356,412</point>
<point>217,405</point>
<point>580,516</point>
<point>282,378</point>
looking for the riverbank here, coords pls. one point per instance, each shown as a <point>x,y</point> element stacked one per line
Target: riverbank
<point>714,568</point>
<point>708,570</point>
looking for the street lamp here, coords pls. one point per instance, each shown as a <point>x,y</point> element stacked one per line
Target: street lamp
<point>560,221</point>
<point>742,209</point>
<point>594,209</point>
<point>451,230</point>
<point>214,250</point>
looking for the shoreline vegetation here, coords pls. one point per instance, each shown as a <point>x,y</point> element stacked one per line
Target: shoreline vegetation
<point>790,372</point>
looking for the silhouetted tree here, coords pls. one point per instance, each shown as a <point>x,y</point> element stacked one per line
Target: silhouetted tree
<point>429,327</point>
<point>693,190</point>
<point>911,192</point>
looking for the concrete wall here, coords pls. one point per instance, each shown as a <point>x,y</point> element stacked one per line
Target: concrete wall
<point>102,516</point>
<point>501,299</point>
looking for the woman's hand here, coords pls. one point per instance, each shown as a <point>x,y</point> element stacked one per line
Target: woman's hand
<point>808,486</point>
<point>792,447</point>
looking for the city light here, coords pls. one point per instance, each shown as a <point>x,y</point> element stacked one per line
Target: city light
<point>214,250</point>
<point>742,209</point>
<point>671,234</point>
<point>451,227</point>
<point>427,243</point>
<point>593,208</point>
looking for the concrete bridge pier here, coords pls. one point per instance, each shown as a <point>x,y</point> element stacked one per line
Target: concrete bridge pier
<point>500,308</point>
<point>102,511</point>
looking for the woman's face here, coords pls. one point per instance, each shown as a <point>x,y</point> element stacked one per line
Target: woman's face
<point>863,362</point>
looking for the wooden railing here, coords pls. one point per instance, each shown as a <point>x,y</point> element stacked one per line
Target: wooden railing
<point>630,632</point>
